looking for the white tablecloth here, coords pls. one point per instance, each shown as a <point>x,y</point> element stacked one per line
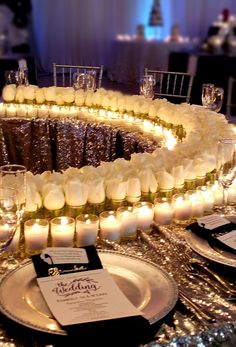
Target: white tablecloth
<point>129,58</point>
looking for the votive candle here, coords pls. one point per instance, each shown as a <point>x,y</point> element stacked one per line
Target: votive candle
<point>145,214</point>
<point>129,221</point>
<point>86,230</point>
<point>163,211</point>
<point>62,231</point>
<point>110,226</point>
<point>36,234</point>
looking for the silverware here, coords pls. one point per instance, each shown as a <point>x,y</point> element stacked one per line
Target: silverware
<point>200,313</point>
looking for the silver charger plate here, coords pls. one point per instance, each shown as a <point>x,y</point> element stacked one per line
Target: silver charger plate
<point>146,285</point>
<point>202,247</point>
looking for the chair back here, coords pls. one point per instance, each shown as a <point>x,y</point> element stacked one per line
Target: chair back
<point>231,97</point>
<point>175,86</point>
<point>63,74</point>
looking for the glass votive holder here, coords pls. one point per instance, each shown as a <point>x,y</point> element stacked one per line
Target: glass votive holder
<point>36,235</point>
<point>182,208</point>
<point>197,203</point>
<point>163,211</point>
<point>207,198</point>
<point>62,231</point>
<point>217,191</point>
<point>110,226</point>
<point>129,221</point>
<point>86,230</point>
<point>145,214</point>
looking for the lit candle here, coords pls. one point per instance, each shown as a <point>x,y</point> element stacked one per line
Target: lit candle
<point>182,208</point>
<point>54,111</point>
<point>36,234</point>
<point>207,198</point>
<point>197,203</point>
<point>2,109</point>
<point>163,211</point>
<point>21,111</point>
<point>145,214</point>
<point>86,230</point>
<point>129,221</point>
<point>110,226</point>
<point>43,111</point>
<point>62,231</point>
<point>217,191</point>
<point>32,111</point>
<point>11,110</point>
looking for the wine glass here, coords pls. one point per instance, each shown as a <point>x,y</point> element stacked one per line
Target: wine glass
<point>23,76</point>
<point>146,86</point>
<point>217,99</point>
<point>207,94</point>
<point>226,167</point>
<point>90,80</point>
<point>14,176</point>
<point>9,216</point>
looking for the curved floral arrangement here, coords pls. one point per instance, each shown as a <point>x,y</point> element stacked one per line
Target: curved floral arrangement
<point>193,157</point>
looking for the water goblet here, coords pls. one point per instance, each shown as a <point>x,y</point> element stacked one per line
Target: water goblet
<point>23,76</point>
<point>14,176</point>
<point>226,167</point>
<point>217,99</point>
<point>146,86</point>
<point>207,96</point>
<point>90,80</point>
<point>9,217</point>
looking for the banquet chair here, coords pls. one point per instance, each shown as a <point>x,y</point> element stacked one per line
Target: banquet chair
<point>63,73</point>
<point>231,97</point>
<point>174,86</point>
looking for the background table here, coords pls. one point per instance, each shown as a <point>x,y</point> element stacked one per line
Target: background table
<point>129,58</point>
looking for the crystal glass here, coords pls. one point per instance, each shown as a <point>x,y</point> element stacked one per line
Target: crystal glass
<point>14,176</point>
<point>226,167</point>
<point>79,80</point>
<point>23,76</point>
<point>207,89</point>
<point>11,77</point>
<point>9,216</point>
<point>90,80</point>
<point>146,86</point>
<point>217,99</point>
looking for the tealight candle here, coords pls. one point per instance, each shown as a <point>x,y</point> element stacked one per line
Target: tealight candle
<point>129,221</point>
<point>163,211</point>
<point>110,226</point>
<point>86,230</point>
<point>36,234</point>
<point>62,231</point>
<point>145,214</point>
<point>182,208</point>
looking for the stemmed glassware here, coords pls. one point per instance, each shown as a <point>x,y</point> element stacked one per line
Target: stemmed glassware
<point>14,176</point>
<point>212,97</point>
<point>146,86</point>
<point>226,167</point>
<point>9,216</point>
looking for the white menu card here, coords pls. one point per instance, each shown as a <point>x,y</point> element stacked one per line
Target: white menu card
<point>84,297</point>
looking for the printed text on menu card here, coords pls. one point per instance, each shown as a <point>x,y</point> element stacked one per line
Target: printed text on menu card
<point>84,297</point>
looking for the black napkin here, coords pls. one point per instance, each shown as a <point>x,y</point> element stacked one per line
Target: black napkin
<point>212,235</point>
<point>125,331</point>
<point>44,269</point>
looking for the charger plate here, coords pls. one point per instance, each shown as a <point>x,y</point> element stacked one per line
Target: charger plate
<point>208,251</point>
<point>145,284</point>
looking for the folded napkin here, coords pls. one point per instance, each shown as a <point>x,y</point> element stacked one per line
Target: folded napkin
<point>130,330</point>
<point>46,264</point>
<point>216,230</point>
